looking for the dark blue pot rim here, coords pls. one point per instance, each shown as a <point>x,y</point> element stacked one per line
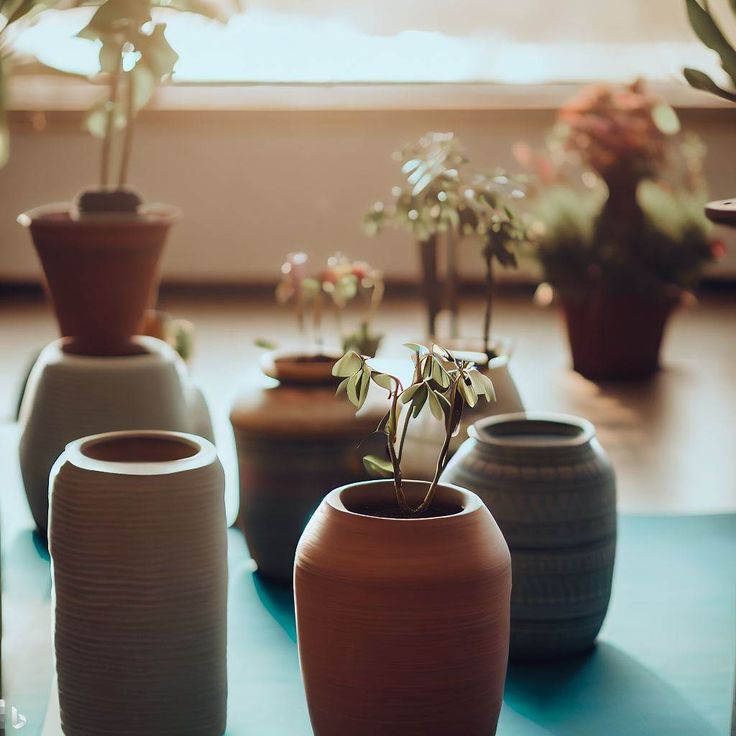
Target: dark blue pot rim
<point>510,429</point>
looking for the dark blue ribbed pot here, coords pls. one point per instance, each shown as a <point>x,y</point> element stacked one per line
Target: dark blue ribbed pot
<point>550,487</point>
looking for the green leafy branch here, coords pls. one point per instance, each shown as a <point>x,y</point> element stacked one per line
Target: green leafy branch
<point>135,56</point>
<point>444,381</point>
<point>706,28</point>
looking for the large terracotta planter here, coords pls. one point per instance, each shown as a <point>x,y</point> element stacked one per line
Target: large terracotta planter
<point>616,337</point>
<point>426,434</point>
<point>70,396</point>
<point>101,271</point>
<point>294,440</point>
<point>402,623</point>
<point>138,546</point>
<point>551,488</point>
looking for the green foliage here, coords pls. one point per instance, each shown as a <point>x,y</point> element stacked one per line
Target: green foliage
<point>707,29</point>
<point>443,381</point>
<point>669,252</point>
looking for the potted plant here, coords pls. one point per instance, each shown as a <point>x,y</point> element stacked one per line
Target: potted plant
<point>622,246</point>
<point>441,202</point>
<point>100,255</point>
<point>312,296</point>
<point>412,578</point>
<point>708,30</point>
<point>292,439</point>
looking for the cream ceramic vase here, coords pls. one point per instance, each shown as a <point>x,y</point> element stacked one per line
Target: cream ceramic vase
<point>426,434</point>
<point>402,624</point>
<point>138,546</point>
<point>551,488</point>
<point>70,396</point>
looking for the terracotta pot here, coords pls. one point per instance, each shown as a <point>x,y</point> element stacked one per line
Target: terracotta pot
<point>402,624</point>
<point>293,441</point>
<point>70,396</point>
<point>301,368</point>
<point>101,271</point>
<point>426,434</point>
<point>616,337</point>
<point>552,491</point>
<point>138,546</point>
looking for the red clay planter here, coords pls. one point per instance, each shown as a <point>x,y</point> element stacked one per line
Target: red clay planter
<point>403,624</point>
<point>101,271</point>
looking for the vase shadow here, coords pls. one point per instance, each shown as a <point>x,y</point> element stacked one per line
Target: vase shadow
<point>594,692</point>
<point>278,599</point>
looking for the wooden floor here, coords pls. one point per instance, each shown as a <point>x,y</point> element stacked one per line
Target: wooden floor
<point>672,439</point>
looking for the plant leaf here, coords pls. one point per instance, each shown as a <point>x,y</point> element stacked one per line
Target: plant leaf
<point>700,80</point>
<point>378,466</point>
<point>711,35</point>
<point>467,392</point>
<point>349,364</point>
<point>420,399</point>
<point>384,381</point>
<point>352,388</point>
<point>438,405</point>
<point>482,384</point>
<point>416,347</point>
<point>342,386</point>
<point>408,394</point>
<point>262,342</point>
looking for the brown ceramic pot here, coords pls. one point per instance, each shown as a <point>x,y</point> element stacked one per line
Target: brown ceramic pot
<point>313,367</point>
<point>101,271</point>
<point>294,440</point>
<point>616,337</point>
<point>403,624</point>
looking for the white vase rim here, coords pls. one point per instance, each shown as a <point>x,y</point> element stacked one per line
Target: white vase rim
<point>155,351</point>
<point>204,454</point>
<point>575,431</point>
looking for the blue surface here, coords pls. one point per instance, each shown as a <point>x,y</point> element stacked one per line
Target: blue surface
<point>664,663</point>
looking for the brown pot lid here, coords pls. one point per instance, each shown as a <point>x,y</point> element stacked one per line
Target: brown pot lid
<point>65,214</point>
<point>722,211</point>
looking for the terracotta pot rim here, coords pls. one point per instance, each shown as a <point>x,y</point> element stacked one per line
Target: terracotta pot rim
<point>65,215</point>
<point>154,350</point>
<point>573,431</point>
<point>204,453</point>
<point>468,502</point>
<point>311,373</point>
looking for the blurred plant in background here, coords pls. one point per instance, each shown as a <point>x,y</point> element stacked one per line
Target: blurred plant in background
<point>441,201</point>
<point>340,283</point>
<point>14,15</point>
<point>617,198</point>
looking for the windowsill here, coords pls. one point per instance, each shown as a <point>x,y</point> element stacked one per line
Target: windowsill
<point>55,93</point>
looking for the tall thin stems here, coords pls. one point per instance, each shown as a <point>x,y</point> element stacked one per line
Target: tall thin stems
<point>451,294</point>
<point>488,253</point>
<point>129,130</point>
<point>110,121</point>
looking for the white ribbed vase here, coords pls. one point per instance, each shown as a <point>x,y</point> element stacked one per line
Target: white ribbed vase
<point>138,544</point>
<point>70,396</point>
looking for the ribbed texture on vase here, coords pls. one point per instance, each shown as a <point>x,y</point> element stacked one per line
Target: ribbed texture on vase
<point>72,396</point>
<point>555,503</point>
<point>140,581</point>
<point>402,624</point>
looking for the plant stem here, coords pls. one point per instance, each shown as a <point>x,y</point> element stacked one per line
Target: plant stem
<point>451,285</point>
<point>428,258</point>
<point>489,299</point>
<point>442,459</point>
<point>130,117</point>
<point>110,121</point>
<point>400,495</point>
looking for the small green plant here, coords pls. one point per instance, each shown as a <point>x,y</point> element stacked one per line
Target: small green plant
<point>440,201</point>
<point>333,288</point>
<point>708,30</point>
<point>135,56</point>
<point>444,381</point>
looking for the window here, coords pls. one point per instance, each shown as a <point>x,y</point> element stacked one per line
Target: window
<point>411,41</point>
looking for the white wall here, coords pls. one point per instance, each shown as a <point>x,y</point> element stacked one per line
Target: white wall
<point>254,184</point>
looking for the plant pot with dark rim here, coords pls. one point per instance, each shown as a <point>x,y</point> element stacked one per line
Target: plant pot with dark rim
<point>402,623</point>
<point>101,270</point>
<point>616,336</point>
<point>551,488</point>
<point>293,441</point>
